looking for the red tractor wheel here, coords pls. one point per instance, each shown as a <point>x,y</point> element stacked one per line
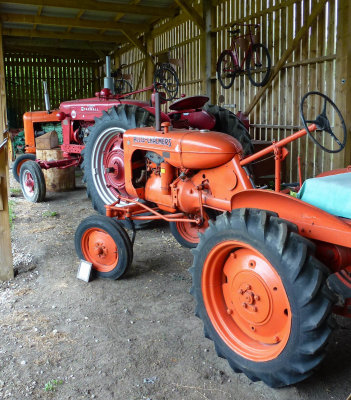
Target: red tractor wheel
<point>104,156</point>
<point>16,167</point>
<point>258,291</point>
<point>104,242</point>
<point>32,182</point>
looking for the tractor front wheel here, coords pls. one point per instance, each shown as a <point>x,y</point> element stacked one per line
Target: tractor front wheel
<point>104,242</point>
<point>261,295</point>
<point>17,164</point>
<point>32,182</point>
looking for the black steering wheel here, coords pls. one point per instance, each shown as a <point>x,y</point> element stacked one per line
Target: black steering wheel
<point>323,124</point>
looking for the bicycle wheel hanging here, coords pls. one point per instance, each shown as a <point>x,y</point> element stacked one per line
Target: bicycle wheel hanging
<point>258,64</point>
<point>226,69</point>
<point>166,82</point>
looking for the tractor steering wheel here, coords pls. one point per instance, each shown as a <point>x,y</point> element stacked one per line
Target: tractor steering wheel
<point>322,122</point>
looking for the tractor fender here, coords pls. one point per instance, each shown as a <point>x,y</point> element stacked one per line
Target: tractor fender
<point>164,117</point>
<point>312,222</point>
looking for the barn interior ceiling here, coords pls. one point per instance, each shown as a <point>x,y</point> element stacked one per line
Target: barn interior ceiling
<point>86,29</point>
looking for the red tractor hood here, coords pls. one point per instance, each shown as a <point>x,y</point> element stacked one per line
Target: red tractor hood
<point>88,109</point>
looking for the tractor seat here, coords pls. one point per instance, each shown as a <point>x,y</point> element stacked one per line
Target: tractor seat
<point>330,193</point>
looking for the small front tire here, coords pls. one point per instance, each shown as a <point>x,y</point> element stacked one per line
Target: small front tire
<point>20,160</point>
<point>32,182</point>
<point>104,242</point>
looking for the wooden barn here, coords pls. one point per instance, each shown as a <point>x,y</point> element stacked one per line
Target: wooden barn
<point>237,67</point>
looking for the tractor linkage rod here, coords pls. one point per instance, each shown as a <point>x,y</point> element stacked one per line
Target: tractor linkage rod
<point>139,207</point>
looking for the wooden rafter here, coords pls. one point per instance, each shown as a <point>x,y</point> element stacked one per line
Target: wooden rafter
<point>55,44</point>
<point>300,34</point>
<point>121,15</point>
<point>49,51</point>
<point>62,35</point>
<point>192,13</point>
<point>137,42</point>
<point>71,22</point>
<point>99,6</point>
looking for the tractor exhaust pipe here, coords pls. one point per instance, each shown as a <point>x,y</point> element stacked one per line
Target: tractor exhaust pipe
<point>108,80</point>
<point>157,112</point>
<point>46,98</point>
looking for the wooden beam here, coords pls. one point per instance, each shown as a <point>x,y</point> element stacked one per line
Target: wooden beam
<point>300,34</point>
<point>121,15</point>
<point>343,77</point>
<point>192,14</point>
<point>49,51</point>
<point>6,266</point>
<point>55,44</point>
<point>92,5</point>
<point>137,42</point>
<point>208,53</point>
<point>62,35</point>
<point>71,22</point>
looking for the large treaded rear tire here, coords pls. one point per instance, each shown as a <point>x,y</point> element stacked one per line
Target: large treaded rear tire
<point>299,304</point>
<point>228,122</point>
<point>110,125</point>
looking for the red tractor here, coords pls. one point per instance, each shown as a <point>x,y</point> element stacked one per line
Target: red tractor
<point>93,129</point>
<point>269,268</point>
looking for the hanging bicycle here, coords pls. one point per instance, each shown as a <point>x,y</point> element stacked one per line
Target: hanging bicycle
<point>256,57</point>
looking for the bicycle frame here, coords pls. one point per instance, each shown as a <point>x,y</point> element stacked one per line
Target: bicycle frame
<point>233,45</point>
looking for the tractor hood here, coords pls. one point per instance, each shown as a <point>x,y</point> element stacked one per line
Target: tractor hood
<point>88,109</point>
<point>184,148</point>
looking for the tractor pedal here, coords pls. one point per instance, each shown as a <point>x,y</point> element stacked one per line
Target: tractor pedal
<point>340,284</point>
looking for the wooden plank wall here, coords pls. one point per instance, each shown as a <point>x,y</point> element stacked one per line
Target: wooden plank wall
<point>67,79</point>
<point>312,66</point>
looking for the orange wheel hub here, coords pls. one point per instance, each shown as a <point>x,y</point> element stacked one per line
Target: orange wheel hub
<point>100,249</point>
<point>246,301</point>
<point>189,231</point>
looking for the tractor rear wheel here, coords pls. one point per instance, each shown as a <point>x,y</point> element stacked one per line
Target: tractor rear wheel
<point>229,123</point>
<point>262,297</point>
<point>104,242</point>
<point>32,182</point>
<point>17,164</point>
<point>103,163</point>
<point>187,233</point>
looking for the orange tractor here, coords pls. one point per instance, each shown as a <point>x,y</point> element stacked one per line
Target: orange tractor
<point>269,268</point>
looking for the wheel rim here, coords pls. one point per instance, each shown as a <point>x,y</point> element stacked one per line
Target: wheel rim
<point>100,249</point>
<point>246,301</point>
<point>108,154</point>
<point>189,231</point>
<point>28,183</point>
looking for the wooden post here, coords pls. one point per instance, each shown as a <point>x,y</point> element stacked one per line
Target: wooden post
<point>149,65</point>
<point>343,77</point>
<point>208,53</point>
<point>6,266</point>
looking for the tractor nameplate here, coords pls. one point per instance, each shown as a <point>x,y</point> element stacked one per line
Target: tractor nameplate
<point>153,140</point>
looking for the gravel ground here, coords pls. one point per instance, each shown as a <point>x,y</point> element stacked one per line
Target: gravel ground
<point>132,339</point>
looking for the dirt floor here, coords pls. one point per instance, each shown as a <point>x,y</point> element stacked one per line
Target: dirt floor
<point>132,339</point>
